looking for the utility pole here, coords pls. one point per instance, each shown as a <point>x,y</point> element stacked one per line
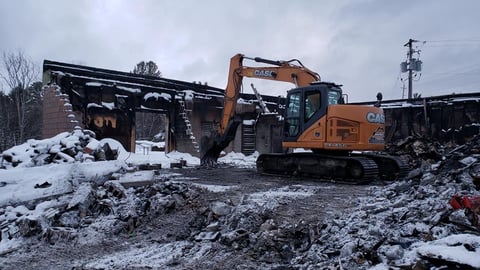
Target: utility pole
<point>410,67</point>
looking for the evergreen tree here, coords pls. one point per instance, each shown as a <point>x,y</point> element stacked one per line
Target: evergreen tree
<point>34,113</point>
<point>7,123</point>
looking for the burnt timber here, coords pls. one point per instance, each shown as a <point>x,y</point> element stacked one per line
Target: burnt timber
<point>105,101</point>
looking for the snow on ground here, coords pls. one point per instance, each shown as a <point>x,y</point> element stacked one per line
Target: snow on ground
<point>398,212</point>
<point>461,248</point>
<point>29,183</point>
<point>239,160</point>
<point>404,217</point>
<point>145,257</point>
<point>214,188</point>
<point>272,198</point>
<point>33,179</point>
<point>154,157</point>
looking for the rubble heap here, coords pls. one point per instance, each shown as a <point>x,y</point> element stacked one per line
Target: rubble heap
<point>67,147</point>
<point>407,224</point>
<point>110,206</point>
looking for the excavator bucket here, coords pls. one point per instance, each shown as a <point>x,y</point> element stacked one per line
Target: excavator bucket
<point>212,146</point>
<point>210,151</point>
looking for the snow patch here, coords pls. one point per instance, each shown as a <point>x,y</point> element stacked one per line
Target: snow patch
<point>460,248</point>
<point>274,197</point>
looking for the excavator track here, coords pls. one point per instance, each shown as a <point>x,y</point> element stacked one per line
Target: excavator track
<point>350,169</point>
<point>390,167</point>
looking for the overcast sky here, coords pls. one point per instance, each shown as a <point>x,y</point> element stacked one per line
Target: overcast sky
<point>357,43</point>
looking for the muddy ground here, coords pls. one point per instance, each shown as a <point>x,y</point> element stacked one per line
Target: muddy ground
<point>200,236</point>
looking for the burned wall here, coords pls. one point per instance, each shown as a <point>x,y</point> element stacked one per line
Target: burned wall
<point>115,124</point>
<point>58,115</point>
<point>454,120</point>
<point>106,102</point>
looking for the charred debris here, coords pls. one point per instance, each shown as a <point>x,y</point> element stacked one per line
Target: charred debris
<point>438,200</point>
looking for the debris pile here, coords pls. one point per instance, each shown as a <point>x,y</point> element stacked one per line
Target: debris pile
<point>110,206</point>
<point>393,226</point>
<point>66,147</point>
<point>405,224</point>
<point>390,225</point>
<point>252,227</point>
<point>426,155</point>
<point>428,220</point>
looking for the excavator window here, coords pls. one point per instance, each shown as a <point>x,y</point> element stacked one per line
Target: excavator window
<point>335,97</point>
<point>292,120</point>
<point>312,104</point>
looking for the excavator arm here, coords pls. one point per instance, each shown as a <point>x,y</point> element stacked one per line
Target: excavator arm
<point>291,71</point>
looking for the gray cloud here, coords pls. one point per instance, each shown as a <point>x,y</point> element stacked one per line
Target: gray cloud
<point>355,43</point>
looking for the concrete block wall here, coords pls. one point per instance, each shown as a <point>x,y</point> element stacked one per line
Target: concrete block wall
<point>58,116</point>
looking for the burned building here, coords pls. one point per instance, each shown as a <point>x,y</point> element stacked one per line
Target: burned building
<point>106,101</point>
<point>447,118</point>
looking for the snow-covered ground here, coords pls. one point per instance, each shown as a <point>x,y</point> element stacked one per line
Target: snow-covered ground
<point>23,182</point>
<point>404,218</point>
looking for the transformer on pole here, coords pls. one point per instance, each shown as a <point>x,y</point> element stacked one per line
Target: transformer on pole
<point>411,65</point>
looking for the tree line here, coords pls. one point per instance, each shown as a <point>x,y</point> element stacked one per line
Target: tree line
<point>21,101</point>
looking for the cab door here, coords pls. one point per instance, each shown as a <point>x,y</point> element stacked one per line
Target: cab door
<point>304,114</point>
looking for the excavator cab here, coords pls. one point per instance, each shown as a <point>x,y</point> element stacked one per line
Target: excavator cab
<point>317,118</point>
<point>306,105</point>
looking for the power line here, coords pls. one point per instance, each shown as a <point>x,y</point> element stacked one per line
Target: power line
<point>469,70</point>
<point>453,45</point>
<point>454,74</point>
<point>474,71</point>
<point>399,78</point>
<point>453,78</point>
<point>453,40</point>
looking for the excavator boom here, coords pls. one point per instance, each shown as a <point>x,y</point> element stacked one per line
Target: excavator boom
<point>291,71</point>
<point>282,71</point>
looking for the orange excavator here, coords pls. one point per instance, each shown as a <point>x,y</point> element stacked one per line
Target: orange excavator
<point>316,118</point>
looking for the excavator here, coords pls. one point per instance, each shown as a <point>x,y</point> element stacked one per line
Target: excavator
<point>345,142</point>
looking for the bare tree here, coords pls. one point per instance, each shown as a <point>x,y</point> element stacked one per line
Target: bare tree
<point>19,74</point>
